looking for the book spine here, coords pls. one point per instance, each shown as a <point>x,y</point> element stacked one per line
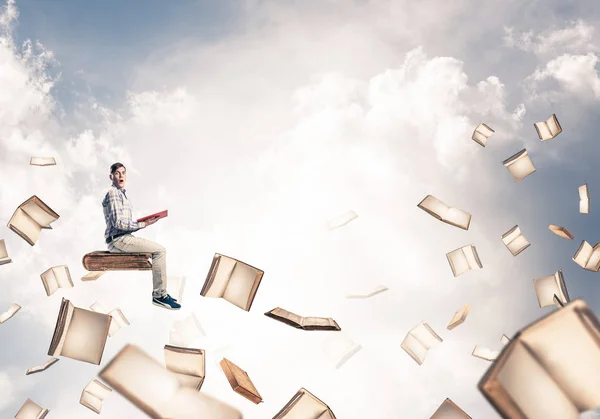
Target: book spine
<point>59,329</point>
<point>212,272</point>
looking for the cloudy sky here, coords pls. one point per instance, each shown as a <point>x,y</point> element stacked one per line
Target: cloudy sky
<point>255,122</point>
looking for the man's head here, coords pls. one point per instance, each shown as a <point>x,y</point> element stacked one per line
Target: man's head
<point>118,175</point>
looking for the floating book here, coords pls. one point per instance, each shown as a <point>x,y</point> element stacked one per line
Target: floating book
<point>30,218</point>
<point>519,165</point>
<point>12,310</point>
<point>515,241</point>
<point>341,220</point>
<point>339,348</point>
<point>459,317</point>
<point>188,365</point>
<point>481,134</point>
<point>240,381</point>
<point>299,322</point>
<point>484,353</point>
<point>94,394</point>
<point>106,261</point>
<point>4,253</point>
<point>449,410</point>
<point>443,212</point>
<point>118,320</point>
<point>548,129</point>
<point>79,334</point>
<point>176,285</point>
<point>463,260</point>
<point>419,340</point>
<point>549,286</point>
<point>588,257</point>
<point>184,332</point>
<point>92,276</point>
<point>42,367</point>
<point>548,370</point>
<point>30,410</point>
<point>305,405</point>
<point>55,278</point>
<point>232,280</point>
<point>368,292</point>
<point>560,231</point>
<point>42,161</point>
<point>157,392</point>
<point>584,199</point>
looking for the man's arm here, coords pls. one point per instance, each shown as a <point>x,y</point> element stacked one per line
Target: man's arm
<point>116,214</point>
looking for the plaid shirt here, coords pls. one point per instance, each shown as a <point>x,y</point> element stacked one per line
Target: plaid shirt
<point>117,213</point>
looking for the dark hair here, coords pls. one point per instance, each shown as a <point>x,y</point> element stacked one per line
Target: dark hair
<point>116,166</point>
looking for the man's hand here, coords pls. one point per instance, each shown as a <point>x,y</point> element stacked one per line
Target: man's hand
<point>151,221</point>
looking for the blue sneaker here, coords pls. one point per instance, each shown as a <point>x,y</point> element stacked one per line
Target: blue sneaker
<point>166,302</point>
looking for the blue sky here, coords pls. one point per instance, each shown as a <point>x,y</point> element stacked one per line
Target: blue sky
<point>254,122</point>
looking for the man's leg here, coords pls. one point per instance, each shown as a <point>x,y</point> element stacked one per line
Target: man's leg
<point>131,244</point>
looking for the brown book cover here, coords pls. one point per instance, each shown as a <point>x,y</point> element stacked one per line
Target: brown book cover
<point>233,280</point>
<point>304,404</point>
<point>547,370</point>
<point>106,261</point>
<point>305,323</point>
<point>240,381</point>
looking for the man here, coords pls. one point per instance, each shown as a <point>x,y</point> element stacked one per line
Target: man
<point>120,225</point>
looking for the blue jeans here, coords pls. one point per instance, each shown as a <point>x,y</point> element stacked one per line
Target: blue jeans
<point>130,244</point>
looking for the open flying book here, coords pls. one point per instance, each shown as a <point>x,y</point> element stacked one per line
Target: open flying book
<point>94,394</point>
<point>419,340</point>
<point>367,292</point>
<point>4,253</point>
<point>549,286</point>
<point>481,134</point>
<point>299,322</point>
<point>484,353</point>
<point>42,161</point>
<point>459,317</point>
<point>449,410</point>
<point>188,365</point>
<point>161,214</point>
<point>515,241</point>
<point>232,280</point>
<point>30,410</point>
<point>548,370</point>
<point>12,310</point>
<point>240,381</point>
<point>443,212</point>
<point>30,218</point>
<point>79,334</point>
<point>43,367</point>
<point>55,278</point>
<point>339,348</point>
<point>584,199</point>
<point>305,405</point>
<point>341,220</point>
<point>588,257</point>
<point>184,332</point>
<point>118,320</point>
<point>157,392</point>
<point>560,231</point>
<point>519,165</point>
<point>92,276</point>
<point>548,129</point>
<point>463,260</point>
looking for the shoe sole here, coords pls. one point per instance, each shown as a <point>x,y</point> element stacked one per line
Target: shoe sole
<point>168,307</point>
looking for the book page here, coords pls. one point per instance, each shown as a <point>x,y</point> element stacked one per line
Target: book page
<point>280,312</point>
<point>544,131</point>
<point>433,206</point>
<point>35,209</point>
<point>458,262</point>
<point>547,287</point>
<point>459,317</point>
<point>484,353</point>
<point>63,276</point>
<point>12,310</point>
<point>339,347</point>
<point>26,225</point>
<point>190,362</point>
<point>553,126</point>
<point>458,218</point>
<point>50,282</point>
<point>560,231</point>
<point>42,367</point>
<point>30,410</point>
<point>317,321</point>
<point>520,165</point>
<point>479,138</point>
<point>305,406</point>
<point>593,262</point>
<point>118,321</point>
<point>414,348</point>
<point>42,161</point>
<point>449,410</point>
<point>583,254</point>
<point>86,336</point>
<point>94,394</point>
<point>224,269</point>
<point>532,388</point>
<point>241,283</point>
<point>3,252</point>
<point>471,256</point>
<point>519,244</point>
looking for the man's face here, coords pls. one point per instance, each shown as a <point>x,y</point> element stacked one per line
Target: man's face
<point>119,177</point>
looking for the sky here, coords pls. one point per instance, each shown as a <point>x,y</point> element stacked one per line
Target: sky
<point>256,122</point>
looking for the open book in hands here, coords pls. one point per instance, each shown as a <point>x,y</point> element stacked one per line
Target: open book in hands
<point>158,216</point>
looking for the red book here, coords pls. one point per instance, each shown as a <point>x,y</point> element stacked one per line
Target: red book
<point>160,215</point>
